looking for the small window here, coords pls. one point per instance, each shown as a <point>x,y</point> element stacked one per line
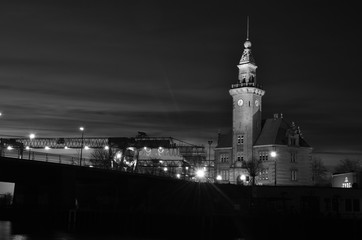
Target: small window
<point>294,175</point>
<point>224,157</point>
<point>239,157</point>
<point>293,157</point>
<point>240,139</point>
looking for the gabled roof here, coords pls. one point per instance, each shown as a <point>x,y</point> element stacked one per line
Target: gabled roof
<point>275,131</point>
<point>224,140</point>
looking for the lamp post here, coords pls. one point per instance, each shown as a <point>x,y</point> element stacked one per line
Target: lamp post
<point>81,146</point>
<point>210,142</point>
<point>31,137</point>
<point>273,154</point>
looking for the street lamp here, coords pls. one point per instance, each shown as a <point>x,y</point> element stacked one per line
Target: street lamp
<point>31,137</point>
<point>210,142</point>
<point>81,146</point>
<point>200,173</point>
<point>273,154</point>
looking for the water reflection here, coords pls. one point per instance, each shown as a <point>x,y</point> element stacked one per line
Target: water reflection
<point>7,233</point>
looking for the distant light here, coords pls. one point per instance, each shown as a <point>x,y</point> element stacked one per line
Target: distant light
<point>106,148</point>
<point>118,155</point>
<point>161,161</point>
<point>90,165</point>
<point>27,148</point>
<point>273,153</point>
<point>187,168</point>
<point>86,147</point>
<point>160,149</point>
<point>243,177</point>
<point>200,173</point>
<point>218,177</point>
<point>9,148</point>
<point>178,175</point>
<point>47,148</point>
<point>81,128</point>
<point>31,135</point>
<point>165,169</point>
<point>1,114</point>
<point>65,147</point>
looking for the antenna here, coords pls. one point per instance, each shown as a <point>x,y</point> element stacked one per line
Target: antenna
<point>247,28</point>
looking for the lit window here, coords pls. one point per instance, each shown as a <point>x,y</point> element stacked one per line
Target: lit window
<point>224,174</point>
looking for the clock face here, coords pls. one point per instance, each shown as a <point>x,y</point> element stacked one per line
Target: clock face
<point>256,103</point>
<point>240,102</point>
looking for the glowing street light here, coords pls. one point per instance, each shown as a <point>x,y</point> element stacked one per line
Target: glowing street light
<point>273,154</point>
<point>218,177</point>
<point>243,177</point>
<point>200,173</point>
<point>81,147</point>
<point>31,137</point>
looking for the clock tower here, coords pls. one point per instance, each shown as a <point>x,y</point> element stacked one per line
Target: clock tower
<point>247,105</point>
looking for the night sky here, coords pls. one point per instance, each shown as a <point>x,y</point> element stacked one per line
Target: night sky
<point>166,67</point>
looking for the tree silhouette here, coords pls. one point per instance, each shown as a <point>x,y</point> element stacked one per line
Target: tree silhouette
<point>348,165</point>
<point>102,158</point>
<point>319,170</point>
<point>253,167</point>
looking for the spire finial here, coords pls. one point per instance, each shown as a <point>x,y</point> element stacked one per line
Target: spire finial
<point>247,28</point>
<point>247,43</point>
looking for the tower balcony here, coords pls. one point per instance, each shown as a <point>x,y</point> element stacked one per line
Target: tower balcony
<point>250,84</point>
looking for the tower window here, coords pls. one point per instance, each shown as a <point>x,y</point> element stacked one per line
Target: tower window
<point>240,139</point>
<point>239,157</point>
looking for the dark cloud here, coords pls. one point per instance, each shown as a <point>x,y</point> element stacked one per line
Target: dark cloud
<point>165,67</point>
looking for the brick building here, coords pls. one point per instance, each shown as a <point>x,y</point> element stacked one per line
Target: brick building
<point>282,155</point>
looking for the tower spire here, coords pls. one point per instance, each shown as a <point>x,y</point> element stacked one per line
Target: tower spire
<point>247,28</point>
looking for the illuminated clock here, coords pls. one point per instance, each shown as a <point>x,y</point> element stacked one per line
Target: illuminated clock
<point>240,102</point>
<point>256,103</point>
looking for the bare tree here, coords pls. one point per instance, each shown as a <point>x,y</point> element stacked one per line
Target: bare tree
<point>253,167</point>
<point>319,170</point>
<point>102,158</point>
<point>348,165</point>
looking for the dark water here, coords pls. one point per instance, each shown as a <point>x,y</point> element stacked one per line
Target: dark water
<point>8,232</point>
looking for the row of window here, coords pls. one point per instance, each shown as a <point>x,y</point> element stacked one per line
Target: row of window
<point>263,174</point>
<point>263,156</point>
<point>224,157</point>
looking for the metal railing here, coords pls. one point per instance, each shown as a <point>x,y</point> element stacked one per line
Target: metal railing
<point>240,85</point>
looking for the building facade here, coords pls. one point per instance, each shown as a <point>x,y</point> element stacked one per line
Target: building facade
<point>273,150</point>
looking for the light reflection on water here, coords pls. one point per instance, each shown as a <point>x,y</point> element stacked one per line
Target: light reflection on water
<point>6,233</point>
